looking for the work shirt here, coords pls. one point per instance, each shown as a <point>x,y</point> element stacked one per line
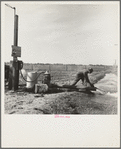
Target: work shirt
<point>82,76</point>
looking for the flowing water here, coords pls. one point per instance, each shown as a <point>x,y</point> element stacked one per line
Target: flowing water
<point>109,89</point>
<point>109,84</point>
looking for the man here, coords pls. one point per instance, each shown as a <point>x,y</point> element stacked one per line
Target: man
<point>6,73</point>
<point>83,75</point>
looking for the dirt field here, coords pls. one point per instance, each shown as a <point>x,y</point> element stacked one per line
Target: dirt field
<point>22,102</point>
<point>58,103</point>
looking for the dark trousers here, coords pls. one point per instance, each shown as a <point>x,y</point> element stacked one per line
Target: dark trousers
<point>77,80</point>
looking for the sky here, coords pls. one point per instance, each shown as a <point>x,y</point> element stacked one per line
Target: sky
<point>60,32</point>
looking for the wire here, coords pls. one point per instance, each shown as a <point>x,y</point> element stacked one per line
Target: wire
<point>28,76</point>
<point>10,6</point>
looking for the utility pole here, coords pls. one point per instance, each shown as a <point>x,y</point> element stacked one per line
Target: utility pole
<point>14,70</point>
<point>15,60</point>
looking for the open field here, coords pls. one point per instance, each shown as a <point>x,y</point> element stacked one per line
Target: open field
<point>58,103</point>
<point>22,102</point>
<point>66,73</point>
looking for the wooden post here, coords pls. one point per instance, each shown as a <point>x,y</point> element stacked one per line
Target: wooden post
<point>14,68</point>
<point>10,75</point>
<point>15,78</point>
<point>16,30</point>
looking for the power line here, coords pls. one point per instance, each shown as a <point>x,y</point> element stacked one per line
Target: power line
<point>10,6</point>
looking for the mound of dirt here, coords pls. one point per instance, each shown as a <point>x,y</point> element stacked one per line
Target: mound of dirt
<point>58,103</point>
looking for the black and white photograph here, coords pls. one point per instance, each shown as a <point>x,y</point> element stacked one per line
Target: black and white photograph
<point>61,60</point>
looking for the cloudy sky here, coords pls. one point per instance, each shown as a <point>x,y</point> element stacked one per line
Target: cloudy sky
<point>59,32</point>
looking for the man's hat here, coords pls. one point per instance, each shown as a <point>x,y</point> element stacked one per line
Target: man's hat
<point>90,70</point>
<point>46,72</point>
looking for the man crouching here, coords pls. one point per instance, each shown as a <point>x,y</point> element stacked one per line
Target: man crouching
<point>83,75</point>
